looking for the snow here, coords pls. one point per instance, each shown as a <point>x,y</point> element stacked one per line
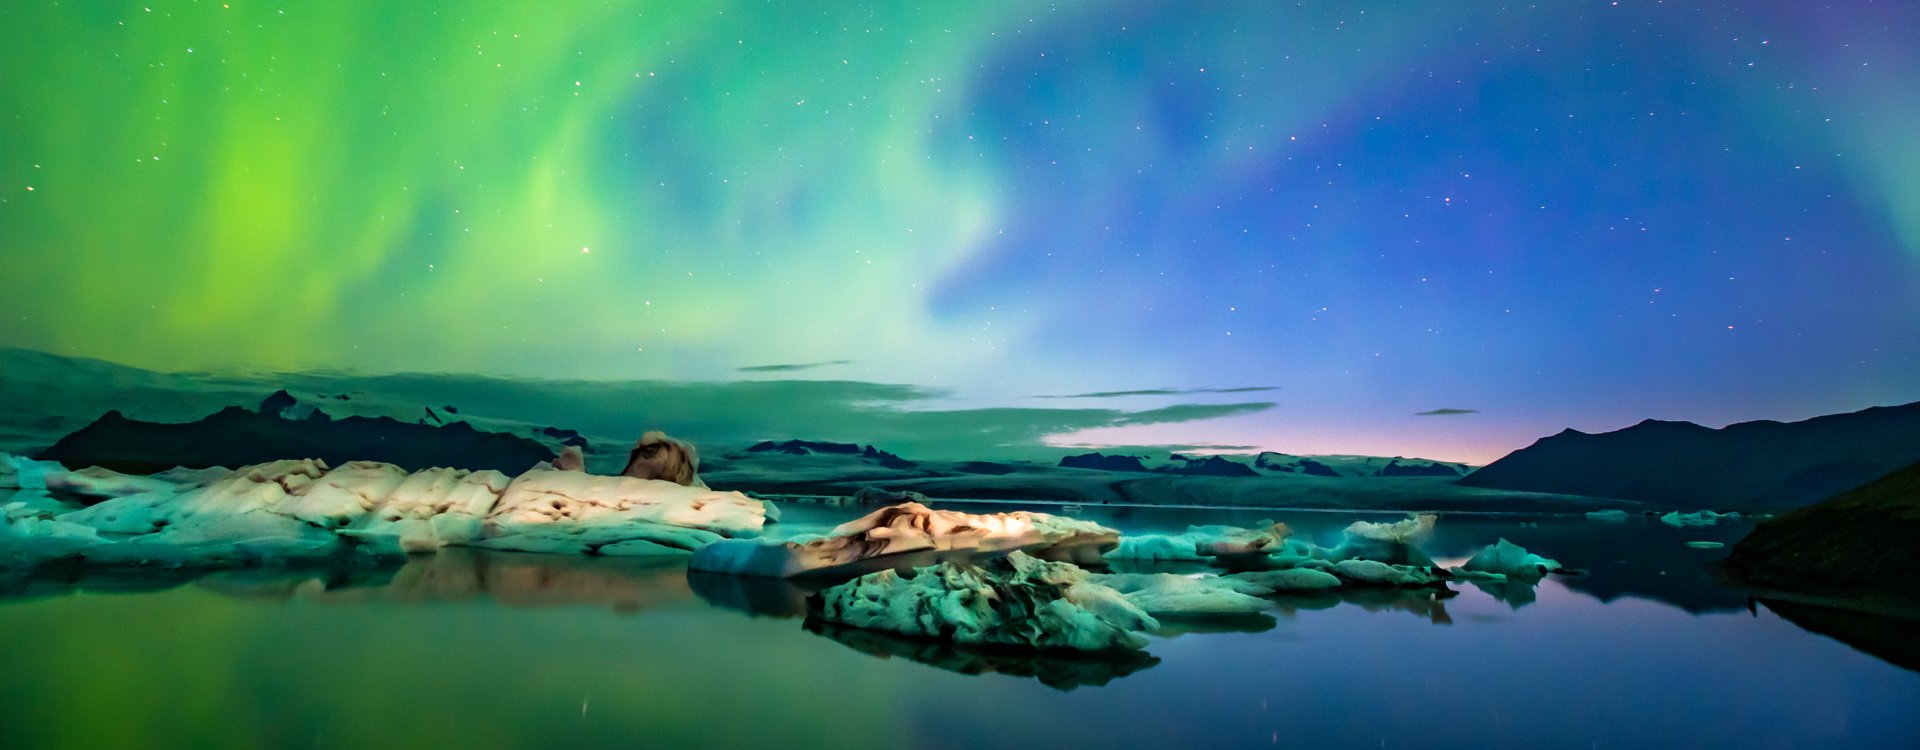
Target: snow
<point>908,528</point>
<point>1017,600</point>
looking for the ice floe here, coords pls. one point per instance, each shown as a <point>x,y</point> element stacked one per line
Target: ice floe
<point>294,510</point>
<point>1510,561</point>
<point>888,535</point>
<point>1164,594</point>
<point>1016,600</point>
<point>1696,518</point>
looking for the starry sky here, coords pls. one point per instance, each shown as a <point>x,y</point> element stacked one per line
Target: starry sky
<point>1438,229</point>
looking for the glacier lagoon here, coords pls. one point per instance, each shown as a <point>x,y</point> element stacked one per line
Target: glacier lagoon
<point>492,649</point>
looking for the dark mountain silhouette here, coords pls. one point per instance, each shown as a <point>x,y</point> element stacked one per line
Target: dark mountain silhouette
<point>235,437</point>
<point>1865,540</point>
<point>1103,462</point>
<point>813,447</point>
<point>1207,466</point>
<point>1746,465</point>
<point>1417,468</point>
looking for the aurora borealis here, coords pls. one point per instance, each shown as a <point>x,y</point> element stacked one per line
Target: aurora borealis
<point>1510,218</point>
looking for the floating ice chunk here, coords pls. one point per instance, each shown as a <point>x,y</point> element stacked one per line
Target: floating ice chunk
<point>1156,548</point>
<point>1706,545</point>
<point>1231,545</point>
<point>343,495</point>
<point>1289,579</point>
<point>871,540</point>
<point>262,487</point>
<point>1017,600</point>
<point>249,537</point>
<point>541,497</point>
<point>29,537</point>
<point>22,473</point>
<point>1696,518</point>
<point>1614,514</point>
<point>1376,573</point>
<point>431,509</point>
<point>97,484</point>
<point>1395,543</point>
<point>1510,560</point>
<point>1168,594</point>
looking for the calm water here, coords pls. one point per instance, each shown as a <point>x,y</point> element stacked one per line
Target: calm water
<point>468,650</point>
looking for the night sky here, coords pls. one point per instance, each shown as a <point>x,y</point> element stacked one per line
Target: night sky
<point>1438,229</point>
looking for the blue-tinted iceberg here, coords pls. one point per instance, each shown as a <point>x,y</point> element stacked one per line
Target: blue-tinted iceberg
<point>1016,600</point>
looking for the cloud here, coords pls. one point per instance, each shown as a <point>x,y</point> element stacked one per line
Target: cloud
<point>1446,412</point>
<point>793,367</point>
<point>1166,392</point>
<point>717,415</point>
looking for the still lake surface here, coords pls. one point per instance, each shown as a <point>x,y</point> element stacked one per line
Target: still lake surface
<point>474,650</point>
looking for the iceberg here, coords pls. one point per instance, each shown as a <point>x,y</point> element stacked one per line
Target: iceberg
<point>1376,573</point>
<point>295,510</point>
<point>1607,515</point>
<point>889,535</point>
<point>1395,543</point>
<point>1164,594</point>
<point>1696,518</point>
<point>1288,580</point>
<point>1510,561</point>
<point>1017,600</point>
<point>1231,546</point>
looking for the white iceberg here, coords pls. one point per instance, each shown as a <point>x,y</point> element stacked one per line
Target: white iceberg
<point>894,531</point>
<point>1376,573</point>
<point>1395,543</point>
<point>1230,545</point>
<point>301,509</point>
<point>1016,600</point>
<point>1696,518</point>
<point>1509,560</point>
<point>1607,515</point>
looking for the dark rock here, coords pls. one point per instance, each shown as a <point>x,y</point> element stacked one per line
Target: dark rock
<point>1102,462</point>
<point>1209,466</point>
<point>278,403</point>
<point>805,448</point>
<point>431,415</point>
<point>1418,468</point>
<point>886,459</point>
<point>1862,541</point>
<point>566,437</point>
<point>1315,468</point>
<point>1747,465</point>
<point>236,437</point>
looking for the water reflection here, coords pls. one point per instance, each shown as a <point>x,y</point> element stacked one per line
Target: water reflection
<point>1060,670</point>
<point>1890,639</point>
<point>513,579</point>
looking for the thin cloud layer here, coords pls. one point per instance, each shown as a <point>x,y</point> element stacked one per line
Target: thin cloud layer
<point>1166,392</point>
<point>797,367</point>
